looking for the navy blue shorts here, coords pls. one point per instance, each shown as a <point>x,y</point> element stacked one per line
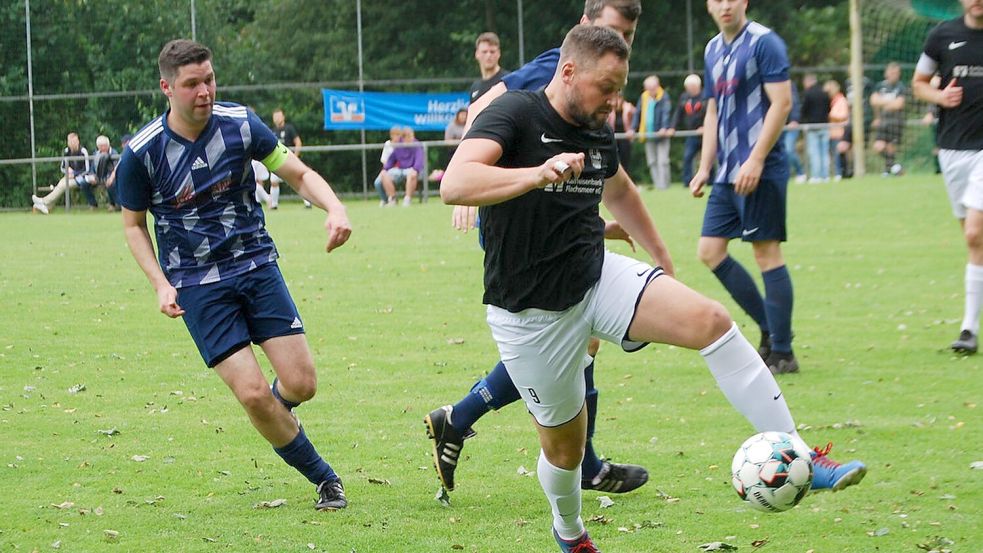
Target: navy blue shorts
<point>223,317</point>
<point>754,218</point>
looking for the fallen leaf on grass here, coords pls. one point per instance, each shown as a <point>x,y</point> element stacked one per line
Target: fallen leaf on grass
<point>976,465</point>
<point>521,471</point>
<point>110,432</point>
<point>600,519</point>
<point>718,546</point>
<point>63,505</point>
<point>758,543</point>
<point>77,388</point>
<point>605,501</point>
<point>455,341</point>
<point>111,534</point>
<point>139,458</point>
<point>936,544</point>
<point>270,504</point>
<point>379,481</point>
<point>879,532</point>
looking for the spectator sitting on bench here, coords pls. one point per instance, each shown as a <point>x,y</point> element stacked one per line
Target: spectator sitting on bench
<point>77,174</point>
<point>104,168</point>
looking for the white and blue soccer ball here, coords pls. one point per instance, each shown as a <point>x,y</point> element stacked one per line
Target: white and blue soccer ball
<point>772,471</point>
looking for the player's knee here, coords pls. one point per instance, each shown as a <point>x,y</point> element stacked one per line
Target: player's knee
<point>564,456</point>
<point>709,255</point>
<point>300,389</point>
<point>974,237</point>
<point>715,320</point>
<point>257,400</point>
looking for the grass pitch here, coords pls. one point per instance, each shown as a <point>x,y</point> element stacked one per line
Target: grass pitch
<point>116,437</point>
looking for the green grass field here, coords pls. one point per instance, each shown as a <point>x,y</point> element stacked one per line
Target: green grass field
<point>397,327</point>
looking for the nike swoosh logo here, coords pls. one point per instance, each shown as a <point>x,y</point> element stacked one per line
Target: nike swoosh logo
<point>474,94</point>
<point>643,273</point>
<point>954,45</point>
<point>749,232</point>
<point>547,140</point>
<point>778,396</point>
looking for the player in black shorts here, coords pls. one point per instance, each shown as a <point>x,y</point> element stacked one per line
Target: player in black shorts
<point>888,101</point>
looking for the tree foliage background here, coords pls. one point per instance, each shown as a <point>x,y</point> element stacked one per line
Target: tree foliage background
<point>263,49</point>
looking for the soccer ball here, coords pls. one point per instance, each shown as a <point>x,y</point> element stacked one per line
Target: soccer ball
<point>772,471</point>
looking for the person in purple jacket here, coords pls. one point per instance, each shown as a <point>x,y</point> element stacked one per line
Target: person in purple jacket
<point>404,165</point>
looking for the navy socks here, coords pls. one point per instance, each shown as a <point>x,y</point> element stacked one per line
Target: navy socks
<point>778,305</point>
<point>301,455</point>
<point>742,288</point>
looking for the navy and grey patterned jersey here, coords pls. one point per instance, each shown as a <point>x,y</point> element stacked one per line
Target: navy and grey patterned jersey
<point>735,76</point>
<point>208,224</point>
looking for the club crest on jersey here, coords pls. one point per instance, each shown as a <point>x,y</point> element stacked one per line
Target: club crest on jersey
<point>595,158</point>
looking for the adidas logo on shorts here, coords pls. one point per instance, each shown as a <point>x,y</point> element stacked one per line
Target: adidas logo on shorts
<point>296,323</point>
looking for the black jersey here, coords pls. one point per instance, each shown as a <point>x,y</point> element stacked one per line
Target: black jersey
<point>543,249</point>
<point>481,86</point>
<point>958,52</point>
<point>286,134</point>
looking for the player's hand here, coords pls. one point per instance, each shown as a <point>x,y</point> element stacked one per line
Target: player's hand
<point>748,176</point>
<point>560,168</point>
<point>952,95</point>
<point>614,231</point>
<point>338,227</point>
<point>697,183</point>
<point>464,217</point>
<point>167,298</point>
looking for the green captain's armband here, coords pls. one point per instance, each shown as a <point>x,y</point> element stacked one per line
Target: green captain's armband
<point>277,157</point>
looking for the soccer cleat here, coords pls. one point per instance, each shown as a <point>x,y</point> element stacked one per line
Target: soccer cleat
<point>39,204</point>
<point>447,443</point>
<point>764,347</point>
<point>780,362</point>
<point>830,475</point>
<point>583,544</point>
<point>617,478</point>
<point>307,204</point>
<point>331,496</point>
<point>407,201</point>
<point>966,343</point>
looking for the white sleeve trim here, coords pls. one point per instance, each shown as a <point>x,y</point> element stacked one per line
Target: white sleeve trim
<point>926,65</point>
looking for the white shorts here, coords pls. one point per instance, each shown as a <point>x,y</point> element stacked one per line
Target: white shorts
<point>544,351</point>
<point>260,171</point>
<point>963,173</point>
<point>275,179</point>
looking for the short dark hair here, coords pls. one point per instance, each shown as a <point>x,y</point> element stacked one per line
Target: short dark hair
<point>489,37</point>
<point>589,43</point>
<point>178,53</point>
<point>629,9</point>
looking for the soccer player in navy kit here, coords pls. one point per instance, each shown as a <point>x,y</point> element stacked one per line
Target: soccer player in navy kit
<point>549,283</point>
<point>216,264</point>
<point>449,426</point>
<point>748,96</point>
<point>954,50</point>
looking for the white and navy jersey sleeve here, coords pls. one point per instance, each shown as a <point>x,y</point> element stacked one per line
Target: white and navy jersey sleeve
<point>535,74</point>
<point>771,55</point>
<point>132,182</point>
<point>264,141</point>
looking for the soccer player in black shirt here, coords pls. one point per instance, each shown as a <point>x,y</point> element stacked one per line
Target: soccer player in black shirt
<point>539,164</point>
<point>954,50</point>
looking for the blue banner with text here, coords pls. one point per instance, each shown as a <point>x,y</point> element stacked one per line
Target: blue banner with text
<point>378,111</point>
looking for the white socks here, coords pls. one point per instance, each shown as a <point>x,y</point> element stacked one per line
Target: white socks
<point>261,194</point>
<point>974,293</point>
<point>274,196</point>
<point>747,383</point>
<point>562,488</point>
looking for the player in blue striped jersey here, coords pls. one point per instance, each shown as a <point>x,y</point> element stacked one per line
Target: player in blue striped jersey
<point>749,96</point>
<point>216,264</point>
